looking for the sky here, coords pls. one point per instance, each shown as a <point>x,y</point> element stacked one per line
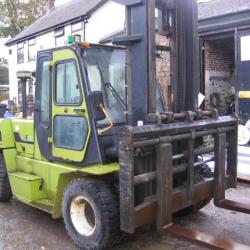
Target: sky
<point>3,50</point>
<point>60,2</point>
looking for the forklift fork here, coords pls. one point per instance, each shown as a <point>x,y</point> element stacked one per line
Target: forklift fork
<point>160,206</point>
<point>201,238</point>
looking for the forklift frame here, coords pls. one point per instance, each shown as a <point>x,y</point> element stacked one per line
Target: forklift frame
<point>157,142</point>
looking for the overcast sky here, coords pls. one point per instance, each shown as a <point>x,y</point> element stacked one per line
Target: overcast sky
<point>60,2</point>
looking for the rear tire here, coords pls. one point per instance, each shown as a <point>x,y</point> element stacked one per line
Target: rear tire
<point>91,215</point>
<point>5,189</point>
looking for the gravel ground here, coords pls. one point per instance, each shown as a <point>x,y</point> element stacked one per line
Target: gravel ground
<point>23,227</point>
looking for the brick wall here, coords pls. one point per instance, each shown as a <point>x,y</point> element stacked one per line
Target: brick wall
<point>163,71</point>
<point>219,72</point>
<point>219,55</point>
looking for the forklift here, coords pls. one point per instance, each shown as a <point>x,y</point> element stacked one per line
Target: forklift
<point>103,154</point>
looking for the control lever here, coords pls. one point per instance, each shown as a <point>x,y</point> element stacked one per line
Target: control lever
<point>101,131</point>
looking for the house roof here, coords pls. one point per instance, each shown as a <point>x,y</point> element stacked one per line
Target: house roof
<point>58,16</point>
<point>221,7</point>
<point>76,9</point>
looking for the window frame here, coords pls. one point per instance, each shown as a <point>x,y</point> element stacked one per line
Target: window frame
<point>76,30</point>
<point>55,85</point>
<point>58,33</point>
<point>31,45</point>
<point>72,116</point>
<point>41,61</point>
<point>19,48</point>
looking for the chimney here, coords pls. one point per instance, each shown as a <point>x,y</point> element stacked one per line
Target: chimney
<point>50,4</point>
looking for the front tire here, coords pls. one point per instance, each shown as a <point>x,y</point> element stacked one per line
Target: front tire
<point>90,213</point>
<point>5,189</point>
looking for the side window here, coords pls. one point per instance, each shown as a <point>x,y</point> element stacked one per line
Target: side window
<point>67,84</point>
<point>94,78</point>
<point>44,92</point>
<point>70,131</point>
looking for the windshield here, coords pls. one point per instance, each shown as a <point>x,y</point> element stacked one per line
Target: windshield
<point>106,72</point>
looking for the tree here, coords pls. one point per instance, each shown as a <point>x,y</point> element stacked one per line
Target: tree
<point>15,15</point>
<point>4,75</point>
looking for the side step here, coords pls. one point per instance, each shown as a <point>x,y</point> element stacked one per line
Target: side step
<point>45,205</point>
<point>26,187</point>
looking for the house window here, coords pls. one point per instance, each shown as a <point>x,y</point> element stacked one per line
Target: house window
<point>32,49</point>
<point>20,52</point>
<point>76,27</point>
<point>59,37</point>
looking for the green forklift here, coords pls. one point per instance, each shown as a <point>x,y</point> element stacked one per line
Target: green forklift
<point>102,153</point>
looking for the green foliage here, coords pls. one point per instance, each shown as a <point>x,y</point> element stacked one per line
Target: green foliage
<point>3,61</point>
<point>4,95</point>
<point>4,75</point>
<point>15,15</point>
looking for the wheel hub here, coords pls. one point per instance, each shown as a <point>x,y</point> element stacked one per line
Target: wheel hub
<point>83,216</point>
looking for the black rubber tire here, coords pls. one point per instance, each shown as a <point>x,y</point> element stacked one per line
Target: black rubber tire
<point>105,205</point>
<point>5,189</point>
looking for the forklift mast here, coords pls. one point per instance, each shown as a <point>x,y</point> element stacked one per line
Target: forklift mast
<point>177,20</point>
<point>170,146</point>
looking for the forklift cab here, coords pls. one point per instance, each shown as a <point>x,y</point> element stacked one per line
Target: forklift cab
<point>65,79</point>
<point>69,80</point>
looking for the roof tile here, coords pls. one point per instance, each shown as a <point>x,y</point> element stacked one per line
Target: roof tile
<point>221,7</point>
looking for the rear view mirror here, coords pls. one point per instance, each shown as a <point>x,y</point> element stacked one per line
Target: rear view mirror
<point>95,99</point>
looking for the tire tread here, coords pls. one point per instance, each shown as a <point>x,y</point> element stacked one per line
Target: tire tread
<point>109,208</point>
<point>5,189</point>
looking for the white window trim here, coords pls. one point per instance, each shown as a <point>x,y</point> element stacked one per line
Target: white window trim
<point>31,43</point>
<point>59,32</point>
<point>78,29</point>
<point>20,46</point>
